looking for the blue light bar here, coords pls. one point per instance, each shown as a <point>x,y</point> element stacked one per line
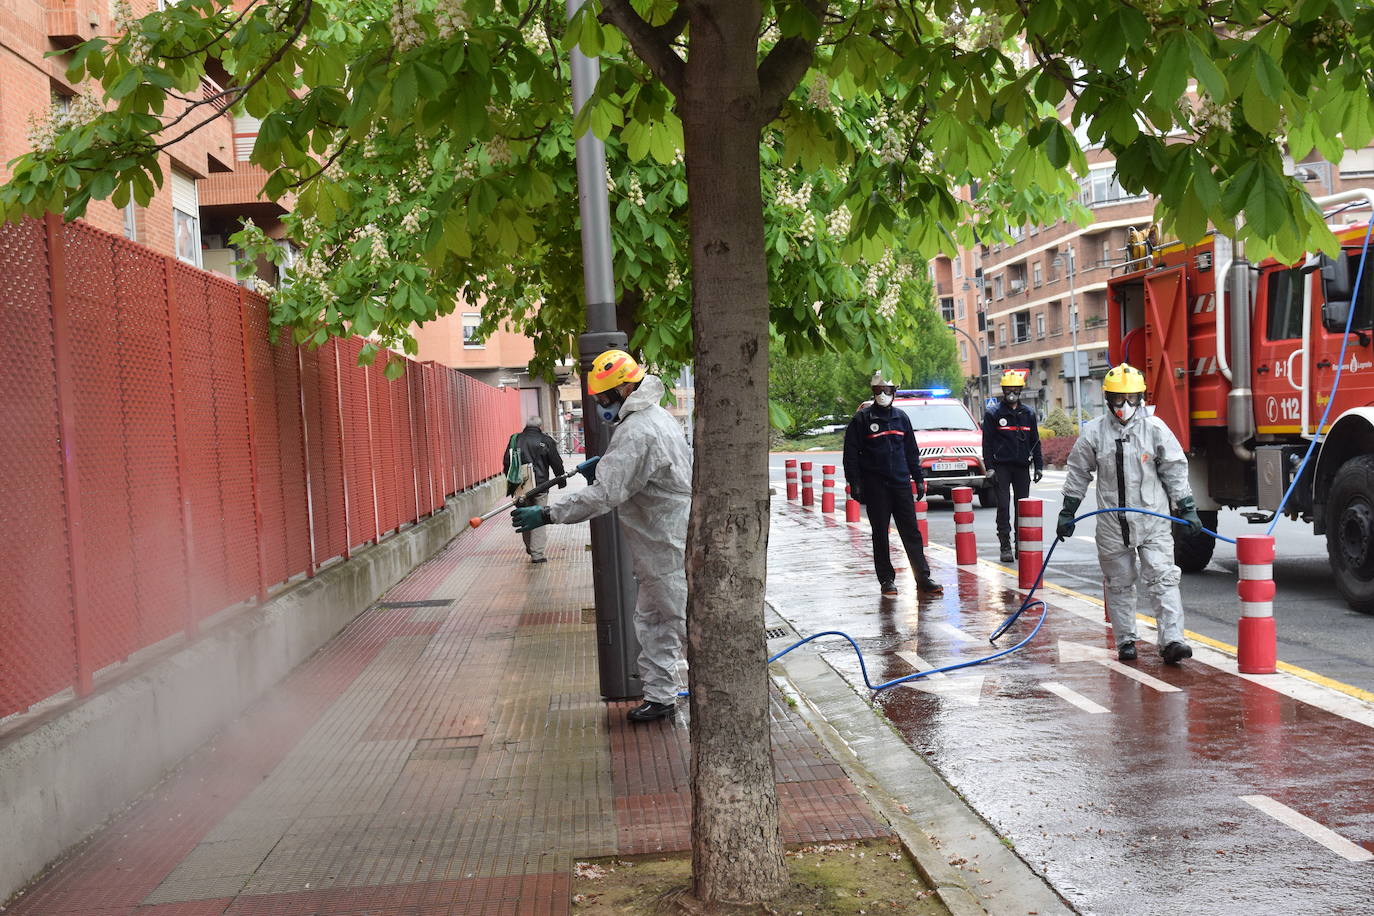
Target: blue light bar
<point>923,393</point>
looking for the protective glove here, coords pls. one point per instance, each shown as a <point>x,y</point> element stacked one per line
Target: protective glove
<point>990,476</point>
<point>562,484</point>
<point>1187,510</point>
<point>1038,476</point>
<point>855,493</point>
<point>588,469</point>
<point>528,518</point>
<point>920,489</point>
<point>1065,527</point>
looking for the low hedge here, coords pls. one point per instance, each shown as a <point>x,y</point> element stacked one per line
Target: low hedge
<point>1056,450</point>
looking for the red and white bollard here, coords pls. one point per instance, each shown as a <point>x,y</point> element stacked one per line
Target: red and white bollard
<point>851,506</point>
<point>921,524</point>
<point>965,543</point>
<point>791,465</point>
<point>1256,643</point>
<point>808,495</point>
<point>1030,536</point>
<point>827,488</point>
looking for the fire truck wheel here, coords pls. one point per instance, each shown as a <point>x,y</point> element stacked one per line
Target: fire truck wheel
<point>1350,532</point>
<point>1192,552</point>
<point>987,497</point>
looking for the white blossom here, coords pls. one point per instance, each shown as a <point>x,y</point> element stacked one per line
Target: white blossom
<point>837,223</point>
<point>819,95</point>
<point>406,31</point>
<point>450,18</point>
<point>497,150</point>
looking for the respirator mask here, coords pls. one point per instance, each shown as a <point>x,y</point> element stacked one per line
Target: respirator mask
<point>883,396</point>
<point>1011,396</point>
<point>1123,406</point>
<point>608,405</point>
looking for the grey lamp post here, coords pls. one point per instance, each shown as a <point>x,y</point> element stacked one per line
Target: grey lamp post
<point>983,384</point>
<point>1067,260</point>
<point>614,585</point>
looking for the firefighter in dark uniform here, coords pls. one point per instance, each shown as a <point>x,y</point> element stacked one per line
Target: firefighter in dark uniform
<point>1011,445</point>
<point>881,461</point>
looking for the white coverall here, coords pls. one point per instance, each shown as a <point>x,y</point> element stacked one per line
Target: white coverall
<point>646,473</point>
<point>1139,465</point>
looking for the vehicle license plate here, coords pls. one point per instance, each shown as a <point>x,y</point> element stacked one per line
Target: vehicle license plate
<point>949,466</point>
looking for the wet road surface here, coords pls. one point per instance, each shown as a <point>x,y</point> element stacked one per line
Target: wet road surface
<point>1129,787</point>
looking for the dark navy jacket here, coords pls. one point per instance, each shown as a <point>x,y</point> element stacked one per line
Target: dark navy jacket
<point>1011,435</point>
<point>880,446</point>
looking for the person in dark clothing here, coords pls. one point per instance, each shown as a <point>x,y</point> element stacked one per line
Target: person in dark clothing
<point>540,452</point>
<point>881,461</point>
<point>1011,445</point>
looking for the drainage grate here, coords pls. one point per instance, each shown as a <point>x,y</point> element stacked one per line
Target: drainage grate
<point>445,602</point>
<point>775,633</point>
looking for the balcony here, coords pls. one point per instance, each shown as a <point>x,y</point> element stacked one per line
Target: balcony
<point>70,22</point>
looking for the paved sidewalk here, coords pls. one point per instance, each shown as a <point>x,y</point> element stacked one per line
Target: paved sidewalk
<point>447,753</point>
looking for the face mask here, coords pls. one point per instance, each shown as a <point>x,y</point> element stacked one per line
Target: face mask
<point>609,412</point>
<point>1124,411</point>
<point>883,400</point>
<point>1011,397</point>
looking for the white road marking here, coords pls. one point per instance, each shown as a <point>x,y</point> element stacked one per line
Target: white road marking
<point>1073,697</point>
<point>967,690</point>
<point>1078,652</point>
<point>1085,537</point>
<point>950,629</point>
<point>1309,828</point>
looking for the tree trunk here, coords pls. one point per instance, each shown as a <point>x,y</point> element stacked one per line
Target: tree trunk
<point>736,846</point>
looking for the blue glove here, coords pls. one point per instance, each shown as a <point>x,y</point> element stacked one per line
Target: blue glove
<point>588,469</point>
<point>1187,510</point>
<point>528,518</point>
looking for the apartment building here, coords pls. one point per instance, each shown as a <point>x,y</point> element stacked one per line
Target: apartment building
<point>209,184</point>
<point>1040,303</point>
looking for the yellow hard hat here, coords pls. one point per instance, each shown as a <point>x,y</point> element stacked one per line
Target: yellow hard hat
<point>612,368</point>
<point>1123,379</point>
<point>1013,379</point>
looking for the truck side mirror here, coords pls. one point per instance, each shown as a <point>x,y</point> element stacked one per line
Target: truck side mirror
<point>1336,282</point>
<point>1335,314</point>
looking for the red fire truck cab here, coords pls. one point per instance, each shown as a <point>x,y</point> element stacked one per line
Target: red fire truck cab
<point>1240,360</point>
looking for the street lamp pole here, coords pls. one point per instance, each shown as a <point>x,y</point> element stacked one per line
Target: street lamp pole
<point>983,384</point>
<point>1073,327</point>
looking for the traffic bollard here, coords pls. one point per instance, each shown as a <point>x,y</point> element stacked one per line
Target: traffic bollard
<point>1256,643</point>
<point>851,506</point>
<point>1030,535</point>
<point>965,543</point>
<point>827,488</point>
<point>808,496</point>
<point>791,465</point>
<point>921,525</point>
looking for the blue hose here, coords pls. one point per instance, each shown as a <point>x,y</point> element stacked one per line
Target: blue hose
<point>1335,384</point>
<point>1029,602</point>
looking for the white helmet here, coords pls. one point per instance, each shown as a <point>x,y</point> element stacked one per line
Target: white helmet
<point>881,381</point>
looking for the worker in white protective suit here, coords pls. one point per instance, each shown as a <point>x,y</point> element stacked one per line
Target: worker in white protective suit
<point>646,473</point>
<point>1139,464</point>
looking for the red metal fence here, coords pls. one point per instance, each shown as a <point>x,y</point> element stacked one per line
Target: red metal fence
<point>161,460</point>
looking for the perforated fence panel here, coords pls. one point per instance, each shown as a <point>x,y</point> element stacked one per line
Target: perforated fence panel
<point>165,459</point>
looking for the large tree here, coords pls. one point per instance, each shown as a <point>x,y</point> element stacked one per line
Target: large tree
<point>1195,100</point>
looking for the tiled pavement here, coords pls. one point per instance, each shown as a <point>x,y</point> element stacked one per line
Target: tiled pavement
<point>447,753</point>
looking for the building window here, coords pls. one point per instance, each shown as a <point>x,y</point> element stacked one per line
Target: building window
<point>1020,327</point>
<point>186,217</point>
<point>947,308</point>
<point>1040,326</point>
<point>997,287</point>
<point>131,221</point>
<point>958,266</point>
<point>1101,187</point>
<point>1001,333</point>
<point>959,306</point>
<point>1106,251</point>
<point>963,352</point>
<point>1037,273</point>
<point>470,339</point>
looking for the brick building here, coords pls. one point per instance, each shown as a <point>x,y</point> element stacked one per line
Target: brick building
<point>209,186</point>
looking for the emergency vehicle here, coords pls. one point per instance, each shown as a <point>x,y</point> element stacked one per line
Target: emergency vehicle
<point>950,440</point>
<point>1240,361</point>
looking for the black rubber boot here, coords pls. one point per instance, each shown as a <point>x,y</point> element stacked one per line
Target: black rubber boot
<point>1007,556</point>
<point>648,711</point>
<point>888,588</point>
<point>1176,652</point>
<point>928,586</point>
<point>1126,652</point>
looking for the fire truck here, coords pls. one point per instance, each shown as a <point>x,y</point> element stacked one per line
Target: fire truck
<point>1240,361</point>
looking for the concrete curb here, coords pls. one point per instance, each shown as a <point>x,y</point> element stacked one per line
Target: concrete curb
<point>66,772</point>
<point>935,825</point>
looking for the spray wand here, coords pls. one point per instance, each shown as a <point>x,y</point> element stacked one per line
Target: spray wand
<point>527,498</point>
